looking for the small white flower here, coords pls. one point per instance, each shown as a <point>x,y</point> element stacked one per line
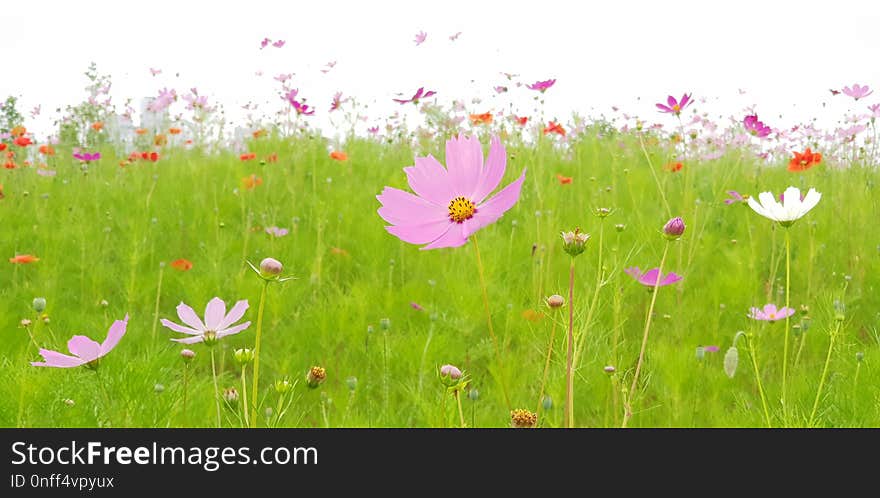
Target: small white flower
<point>791,209</point>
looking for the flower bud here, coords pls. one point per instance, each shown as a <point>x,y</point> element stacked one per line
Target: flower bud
<point>575,242</point>
<point>860,356</point>
<point>731,360</point>
<point>230,395</point>
<point>620,227</point>
<point>243,356</point>
<point>282,386</point>
<point>159,388</point>
<point>701,352</point>
<point>603,212</point>
<point>351,383</point>
<point>187,355</point>
<point>609,369</point>
<point>674,228</point>
<point>547,402</point>
<point>25,323</point>
<point>316,376</point>
<point>555,301</point>
<point>271,267</point>
<point>39,304</point>
<point>209,338</point>
<point>69,402</point>
<point>385,323</point>
<point>523,419</point>
<point>450,375</point>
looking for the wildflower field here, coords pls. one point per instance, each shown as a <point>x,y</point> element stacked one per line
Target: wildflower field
<point>479,269</point>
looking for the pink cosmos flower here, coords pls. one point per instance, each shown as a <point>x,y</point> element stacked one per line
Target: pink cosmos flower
<point>155,71</point>
<point>337,101</point>
<point>278,44</point>
<point>416,306</point>
<point>87,157</point>
<point>755,127</point>
<point>651,277</point>
<point>711,349</point>
<point>420,94</point>
<point>450,203</point>
<point>373,130</point>
<point>675,106</point>
<point>277,232</point>
<point>541,86</point>
<point>264,43</point>
<point>166,98</point>
<point>857,92</point>
<point>770,313</point>
<point>875,110</point>
<point>217,324</point>
<point>455,36</point>
<point>330,65</point>
<point>421,36</point>
<point>734,197</point>
<point>86,351</point>
<point>283,77</point>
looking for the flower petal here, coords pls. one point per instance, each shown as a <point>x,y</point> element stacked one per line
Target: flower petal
<point>429,180</point>
<point>488,212</point>
<point>179,328</point>
<point>233,330</point>
<point>810,200</point>
<point>58,360</point>
<point>215,311</point>
<point>770,309</point>
<point>188,316</point>
<point>400,207</point>
<point>650,277</point>
<point>234,314</point>
<point>464,161</point>
<point>492,172</point>
<point>117,330</point>
<point>190,340</point>
<point>85,348</point>
<point>453,237</point>
<point>420,234</point>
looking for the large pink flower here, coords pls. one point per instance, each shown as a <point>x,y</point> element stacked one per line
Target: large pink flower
<point>85,351</point>
<point>450,203</point>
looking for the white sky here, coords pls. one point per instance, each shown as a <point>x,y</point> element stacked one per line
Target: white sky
<point>786,55</point>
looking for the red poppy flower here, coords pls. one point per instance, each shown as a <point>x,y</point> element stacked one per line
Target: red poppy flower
<point>247,157</point>
<point>553,127</point>
<point>182,264</point>
<point>2,147</point>
<point>521,120</point>
<point>338,155</point>
<point>251,182</point>
<point>10,165</point>
<point>674,166</point>
<point>23,259</point>
<point>174,131</point>
<point>563,180</point>
<point>804,161</point>
<point>98,126</point>
<point>23,141</point>
<point>47,150</point>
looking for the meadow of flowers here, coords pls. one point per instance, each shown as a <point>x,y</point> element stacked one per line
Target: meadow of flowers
<point>448,266</point>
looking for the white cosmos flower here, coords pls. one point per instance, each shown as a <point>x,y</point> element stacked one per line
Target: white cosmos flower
<point>791,209</point>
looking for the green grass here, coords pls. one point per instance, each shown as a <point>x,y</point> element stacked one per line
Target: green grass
<point>103,235</point>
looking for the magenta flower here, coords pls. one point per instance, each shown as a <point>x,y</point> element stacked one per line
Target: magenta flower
<point>373,130</point>
<point>301,108</point>
<point>711,349</point>
<point>283,77</point>
<point>277,232</point>
<point>264,43</point>
<point>420,94</point>
<point>337,101</point>
<point>450,203</point>
<point>87,157</point>
<point>217,324</point>
<point>651,277</point>
<point>734,197</point>
<point>421,36</point>
<point>278,44</point>
<point>541,86</point>
<point>857,92</point>
<point>755,127</point>
<point>86,351</point>
<point>416,306</point>
<point>770,313</point>
<point>166,98</point>
<point>675,106</point>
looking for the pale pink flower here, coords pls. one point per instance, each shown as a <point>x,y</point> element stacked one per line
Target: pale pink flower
<point>85,351</point>
<point>217,324</point>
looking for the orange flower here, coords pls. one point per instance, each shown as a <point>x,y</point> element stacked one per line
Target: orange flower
<point>248,156</point>
<point>182,264</point>
<point>174,131</point>
<point>478,119</point>
<point>23,141</point>
<point>47,150</point>
<point>553,127</point>
<point>23,259</point>
<point>141,131</point>
<point>674,166</point>
<point>563,180</point>
<point>259,133</point>
<point>10,165</point>
<point>272,158</point>
<point>251,182</point>
<point>98,126</point>
<point>2,146</point>
<point>532,315</point>
<point>160,139</point>
<point>18,131</point>
<point>339,156</point>
<point>805,161</point>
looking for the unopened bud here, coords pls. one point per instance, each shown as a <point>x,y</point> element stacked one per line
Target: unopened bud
<point>674,228</point>
<point>523,419</point>
<point>243,356</point>
<point>555,301</point>
<point>282,386</point>
<point>230,395</point>
<point>271,267</point>
<point>39,304</point>
<point>316,376</point>
<point>187,355</point>
<point>575,242</point>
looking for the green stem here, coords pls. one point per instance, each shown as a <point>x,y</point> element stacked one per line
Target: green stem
<point>787,324</point>
<point>185,412</point>
<point>595,302</point>
<point>244,395</point>
<point>546,369</point>
<point>256,382</point>
<point>216,389</point>
<point>489,321</point>
<point>569,379</point>
<point>627,405</point>
<point>156,308</point>
<point>654,174</point>
<point>754,356</point>
<point>460,413</point>
<point>824,374</point>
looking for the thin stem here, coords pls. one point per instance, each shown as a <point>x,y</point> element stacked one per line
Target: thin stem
<point>244,395</point>
<point>216,389</point>
<point>654,174</point>
<point>754,356</point>
<point>460,412</point>
<point>256,382</point>
<point>787,324</point>
<point>595,302</point>
<point>627,404</point>
<point>185,412</point>
<point>489,321</point>
<point>824,374</point>
<point>569,380</point>
<point>156,308</point>
<point>546,369</point>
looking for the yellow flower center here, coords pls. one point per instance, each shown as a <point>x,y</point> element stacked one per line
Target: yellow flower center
<point>461,209</point>
<point>773,316</point>
<point>676,108</point>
